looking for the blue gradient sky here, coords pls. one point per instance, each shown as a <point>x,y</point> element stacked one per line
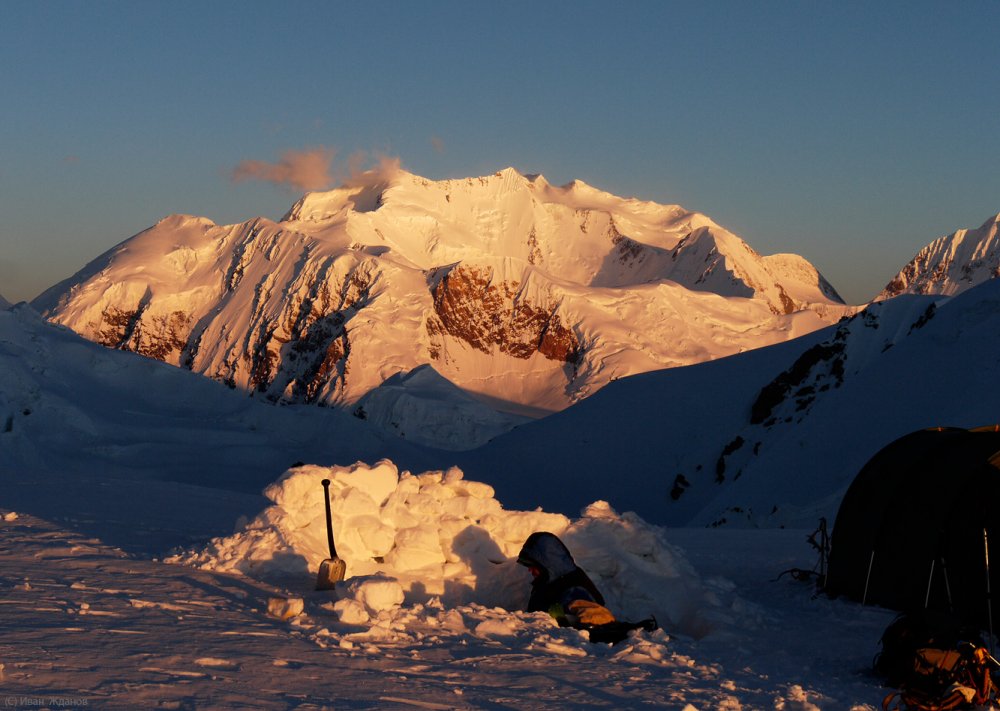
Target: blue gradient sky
<point>850,133</point>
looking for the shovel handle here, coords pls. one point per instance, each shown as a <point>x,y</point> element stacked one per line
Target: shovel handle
<point>329,518</point>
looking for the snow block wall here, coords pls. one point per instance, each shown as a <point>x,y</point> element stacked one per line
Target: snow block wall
<point>410,539</point>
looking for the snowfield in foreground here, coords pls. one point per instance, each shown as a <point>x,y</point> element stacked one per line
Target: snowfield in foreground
<point>433,626</point>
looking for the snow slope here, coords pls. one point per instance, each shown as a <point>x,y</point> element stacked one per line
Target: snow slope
<point>526,296</point>
<point>951,264</point>
<point>719,442</point>
<point>126,631</point>
<point>110,463</point>
<point>141,567</point>
<point>767,438</point>
<point>69,405</point>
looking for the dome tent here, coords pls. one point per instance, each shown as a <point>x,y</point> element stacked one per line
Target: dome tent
<point>909,534</point>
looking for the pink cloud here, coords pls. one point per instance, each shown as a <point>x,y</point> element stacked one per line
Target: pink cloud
<point>385,168</point>
<point>315,169</point>
<point>305,170</point>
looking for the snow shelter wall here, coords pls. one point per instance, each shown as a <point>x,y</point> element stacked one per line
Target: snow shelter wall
<point>909,532</point>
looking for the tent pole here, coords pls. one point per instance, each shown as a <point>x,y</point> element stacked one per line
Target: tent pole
<point>824,546</point>
<point>930,579</point>
<point>947,584</point>
<point>989,601</point>
<point>864,598</point>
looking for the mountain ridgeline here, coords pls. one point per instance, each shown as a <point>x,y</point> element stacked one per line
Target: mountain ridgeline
<point>446,312</point>
<point>769,438</point>
<point>951,264</point>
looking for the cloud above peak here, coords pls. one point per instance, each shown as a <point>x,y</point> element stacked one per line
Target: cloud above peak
<point>315,169</point>
<point>305,170</point>
<point>384,168</point>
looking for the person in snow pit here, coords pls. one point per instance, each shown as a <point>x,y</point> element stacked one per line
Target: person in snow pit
<point>561,588</point>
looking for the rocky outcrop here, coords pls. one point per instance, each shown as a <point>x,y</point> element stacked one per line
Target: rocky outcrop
<point>489,313</point>
<point>816,370</point>
<point>302,355</point>
<point>160,336</point>
<point>950,265</point>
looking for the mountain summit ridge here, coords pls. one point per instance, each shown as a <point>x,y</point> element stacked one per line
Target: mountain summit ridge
<point>951,264</point>
<point>526,296</point>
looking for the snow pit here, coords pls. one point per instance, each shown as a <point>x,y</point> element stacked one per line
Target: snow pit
<point>436,546</point>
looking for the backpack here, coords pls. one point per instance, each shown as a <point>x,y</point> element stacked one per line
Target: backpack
<point>945,679</point>
<point>918,630</point>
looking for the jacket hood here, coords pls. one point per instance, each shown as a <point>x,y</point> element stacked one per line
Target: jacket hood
<point>544,550</point>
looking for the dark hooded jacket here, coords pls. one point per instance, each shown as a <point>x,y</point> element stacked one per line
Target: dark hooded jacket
<point>561,580</point>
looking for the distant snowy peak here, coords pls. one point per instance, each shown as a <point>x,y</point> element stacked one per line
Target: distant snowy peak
<point>951,264</point>
<point>4,304</point>
<point>526,296</point>
<point>715,260</point>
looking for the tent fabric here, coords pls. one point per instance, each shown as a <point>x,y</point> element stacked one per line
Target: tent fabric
<point>909,532</point>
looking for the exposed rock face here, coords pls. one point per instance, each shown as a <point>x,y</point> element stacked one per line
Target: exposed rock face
<point>950,265</point>
<point>800,381</point>
<point>291,342</point>
<point>160,336</point>
<point>490,313</point>
<point>302,353</point>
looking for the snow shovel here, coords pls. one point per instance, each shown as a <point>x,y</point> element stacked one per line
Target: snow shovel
<point>331,570</point>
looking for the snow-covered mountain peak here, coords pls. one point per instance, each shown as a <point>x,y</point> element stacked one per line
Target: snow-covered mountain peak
<point>375,189</point>
<point>324,205</point>
<point>586,191</point>
<point>951,264</point>
<point>512,179</point>
<point>180,221</point>
<point>537,180</point>
<point>525,296</point>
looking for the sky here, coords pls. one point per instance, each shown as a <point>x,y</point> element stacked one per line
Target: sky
<point>852,133</point>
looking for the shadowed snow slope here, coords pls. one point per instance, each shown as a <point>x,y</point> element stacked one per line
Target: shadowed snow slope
<point>67,405</point>
<point>107,459</point>
<point>766,438</point>
<point>526,296</point>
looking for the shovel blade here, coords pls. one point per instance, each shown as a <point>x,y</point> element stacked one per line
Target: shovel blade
<point>331,571</point>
